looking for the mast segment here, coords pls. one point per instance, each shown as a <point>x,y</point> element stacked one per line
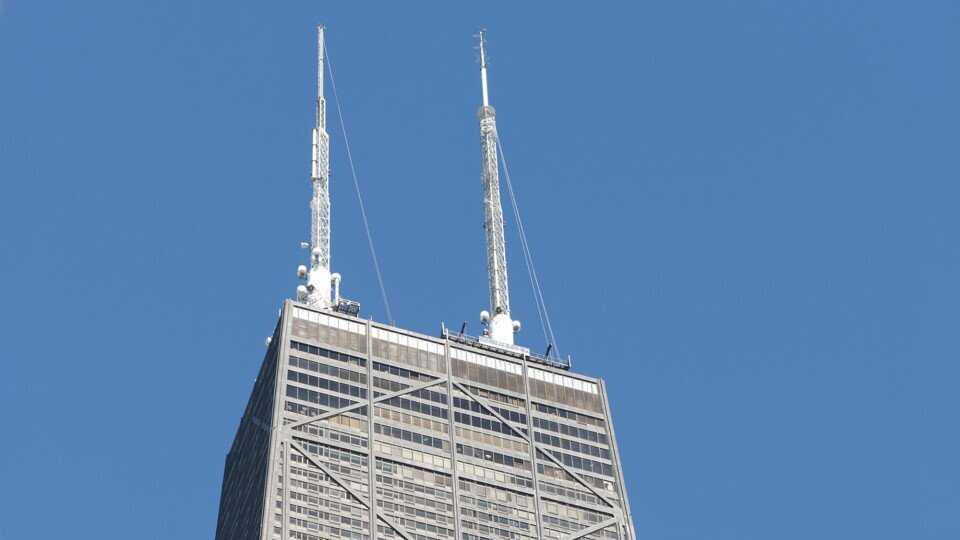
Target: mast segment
<point>320,282</point>
<point>501,327</point>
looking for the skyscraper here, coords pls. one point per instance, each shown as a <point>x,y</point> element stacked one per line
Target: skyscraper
<point>360,430</point>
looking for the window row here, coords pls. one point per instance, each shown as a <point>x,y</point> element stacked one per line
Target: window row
<point>411,420</point>
<point>411,472</point>
<point>492,440</point>
<point>570,431</point>
<point>486,375</point>
<point>493,457</point>
<point>486,361</point>
<point>484,504</point>
<point>416,406</point>
<point>333,517</point>
<point>563,380</point>
<point>409,355</point>
<point>340,373</point>
<point>429,493</point>
<point>583,463</point>
<point>407,341</point>
<point>573,446</point>
<point>413,525</point>
<point>356,474</point>
<point>471,405</point>
<point>408,454</point>
<point>580,515</point>
<point>326,530</point>
<point>425,394</point>
<point>493,475</point>
<point>326,384</point>
<point>340,420</point>
<point>332,322</point>
<point>490,531</point>
<point>609,532</point>
<point>557,473</point>
<point>397,508</point>
<point>411,436</point>
<point>411,498</point>
<point>488,492</point>
<point>326,400</point>
<point>326,502</point>
<point>330,452</point>
<point>387,532</point>
<point>326,491</point>
<point>520,403</point>
<point>316,475</point>
<point>579,418</point>
<point>306,410</point>
<point>489,423</point>
<point>326,353</point>
<point>470,513</point>
<point>578,495</point>
<point>402,372</point>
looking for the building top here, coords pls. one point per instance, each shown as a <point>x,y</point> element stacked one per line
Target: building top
<point>433,344</point>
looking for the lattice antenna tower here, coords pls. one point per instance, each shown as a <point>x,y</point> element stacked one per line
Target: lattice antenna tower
<point>322,288</point>
<point>500,327</point>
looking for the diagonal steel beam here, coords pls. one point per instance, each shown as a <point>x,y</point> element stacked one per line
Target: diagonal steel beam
<point>350,490</point>
<point>530,440</point>
<point>360,404</point>
<point>492,411</point>
<point>576,476</point>
<point>592,529</point>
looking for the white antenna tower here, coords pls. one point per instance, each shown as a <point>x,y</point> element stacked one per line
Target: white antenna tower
<point>323,288</point>
<point>500,327</point>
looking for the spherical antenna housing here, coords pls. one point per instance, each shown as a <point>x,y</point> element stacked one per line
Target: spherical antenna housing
<point>516,326</point>
<point>484,316</point>
<point>301,292</point>
<point>302,271</point>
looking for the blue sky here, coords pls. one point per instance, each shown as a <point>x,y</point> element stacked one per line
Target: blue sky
<point>744,216</point>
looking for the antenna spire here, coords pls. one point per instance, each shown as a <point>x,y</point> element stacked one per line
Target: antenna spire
<point>483,66</point>
<point>500,326</point>
<point>318,292</point>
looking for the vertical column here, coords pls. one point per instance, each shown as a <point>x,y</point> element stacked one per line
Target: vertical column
<point>533,449</point>
<point>284,486</point>
<point>615,451</point>
<point>278,433</point>
<point>453,441</point>
<point>371,453</point>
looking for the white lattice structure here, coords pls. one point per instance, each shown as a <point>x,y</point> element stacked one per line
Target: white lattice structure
<point>501,326</point>
<point>320,281</point>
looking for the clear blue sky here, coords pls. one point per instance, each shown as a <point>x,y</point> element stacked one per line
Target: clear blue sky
<point>744,216</point>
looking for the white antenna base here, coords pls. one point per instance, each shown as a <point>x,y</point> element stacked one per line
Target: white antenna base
<point>318,285</point>
<point>501,328</point>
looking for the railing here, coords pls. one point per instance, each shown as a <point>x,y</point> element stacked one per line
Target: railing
<point>348,307</point>
<point>514,350</point>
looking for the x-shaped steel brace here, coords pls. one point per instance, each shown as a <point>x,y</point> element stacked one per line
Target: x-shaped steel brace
<point>349,489</point>
<point>593,528</point>
<point>531,441</point>
<point>358,405</point>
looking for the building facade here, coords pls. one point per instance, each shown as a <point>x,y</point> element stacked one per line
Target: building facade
<point>361,430</point>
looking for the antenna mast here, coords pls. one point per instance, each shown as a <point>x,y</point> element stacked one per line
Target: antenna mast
<point>501,327</point>
<point>318,292</point>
